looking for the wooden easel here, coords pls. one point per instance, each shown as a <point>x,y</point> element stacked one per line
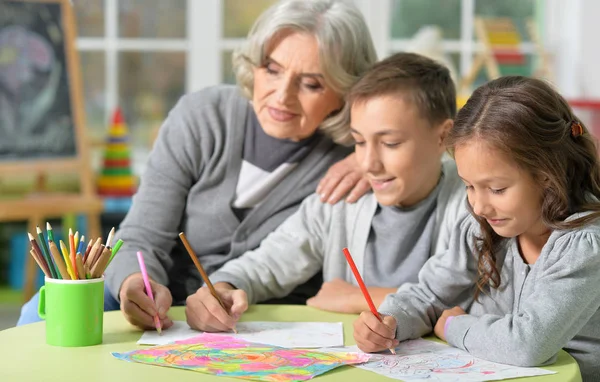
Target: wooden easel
<point>41,205</point>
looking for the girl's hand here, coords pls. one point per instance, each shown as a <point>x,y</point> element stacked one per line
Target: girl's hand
<point>438,330</point>
<point>372,335</point>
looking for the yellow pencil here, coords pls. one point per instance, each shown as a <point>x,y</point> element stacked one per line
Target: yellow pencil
<point>65,254</point>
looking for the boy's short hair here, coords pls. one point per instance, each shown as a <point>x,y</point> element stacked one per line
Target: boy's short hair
<point>420,80</point>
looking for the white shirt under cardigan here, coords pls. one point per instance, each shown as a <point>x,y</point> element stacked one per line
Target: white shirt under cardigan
<point>313,238</point>
<point>537,310</point>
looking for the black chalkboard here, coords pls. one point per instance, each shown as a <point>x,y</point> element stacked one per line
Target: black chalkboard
<point>36,116</point>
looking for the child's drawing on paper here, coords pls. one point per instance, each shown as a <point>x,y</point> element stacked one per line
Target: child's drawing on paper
<point>284,334</point>
<point>417,360</point>
<point>235,357</point>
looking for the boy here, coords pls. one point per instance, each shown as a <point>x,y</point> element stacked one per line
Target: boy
<point>400,111</point>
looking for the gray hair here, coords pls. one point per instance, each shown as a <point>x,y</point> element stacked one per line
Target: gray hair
<point>346,49</point>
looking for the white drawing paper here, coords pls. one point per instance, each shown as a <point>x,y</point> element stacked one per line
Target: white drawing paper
<point>284,334</point>
<point>417,360</point>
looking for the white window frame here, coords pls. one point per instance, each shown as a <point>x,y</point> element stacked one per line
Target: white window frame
<point>204,44</point>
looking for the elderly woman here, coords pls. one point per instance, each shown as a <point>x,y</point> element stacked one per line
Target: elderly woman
<point>228,169</point>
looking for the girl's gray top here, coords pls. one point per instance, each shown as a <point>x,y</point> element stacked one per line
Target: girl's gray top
<point>537,310</point>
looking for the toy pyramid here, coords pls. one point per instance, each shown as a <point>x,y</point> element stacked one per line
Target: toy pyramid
<point>116,178</point>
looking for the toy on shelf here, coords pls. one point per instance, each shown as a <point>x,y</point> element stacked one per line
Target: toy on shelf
<point>501,52</point>
<point>116,179</point>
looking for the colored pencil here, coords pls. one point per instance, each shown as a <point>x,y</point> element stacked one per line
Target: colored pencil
<point>58,260</point>
<point>81,245</point>
<point>76,241</point>
<point>209,284</point>
<point>40,263</point>
<point>88,250</point>
<point>100,265</point>
<point>79,263</point>
<point>41,255</point>
<point>363,288</point>
<point>49,232</point>
<point>111,234</point>
<point>114,251</point>
<point>46,252</point>
<point>148,289</point>
<point>65,253</point>
<point>73,261</point>
<point>94,253</point>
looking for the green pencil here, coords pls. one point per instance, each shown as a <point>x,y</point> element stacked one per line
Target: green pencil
<point>49,232</point>
<point>118,245</point>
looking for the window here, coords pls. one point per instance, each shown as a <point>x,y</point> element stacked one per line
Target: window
<point>456,20</point>
<point>142,55</point>
<point>133,56</point>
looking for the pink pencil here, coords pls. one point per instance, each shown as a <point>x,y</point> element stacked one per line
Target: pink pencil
<point>148,289</point>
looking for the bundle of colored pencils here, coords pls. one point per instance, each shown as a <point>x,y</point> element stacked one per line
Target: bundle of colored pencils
<point>74,262</point>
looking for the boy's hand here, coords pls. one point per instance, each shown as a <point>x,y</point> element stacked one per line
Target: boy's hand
<point>343,178</point>
<point>203,311</point>
<point>438,330</point>
<point>137,307</point>
<point>337,296</point>
<point>371,335</point>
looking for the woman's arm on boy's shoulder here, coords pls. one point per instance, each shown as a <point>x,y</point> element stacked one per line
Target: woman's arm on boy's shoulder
<point>565,297</point>
<point>286,258</point>
<point>445,281</point>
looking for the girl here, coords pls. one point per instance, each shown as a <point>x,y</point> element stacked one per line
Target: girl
<point>523,272</point>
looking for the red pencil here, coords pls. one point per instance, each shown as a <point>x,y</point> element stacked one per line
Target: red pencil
<point>363,288</point>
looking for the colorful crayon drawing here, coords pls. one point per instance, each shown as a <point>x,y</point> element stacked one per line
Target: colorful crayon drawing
<point>420,359</point>
<point>233,357</point>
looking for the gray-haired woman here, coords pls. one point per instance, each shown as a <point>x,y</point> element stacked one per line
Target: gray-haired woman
<point>228,169</point>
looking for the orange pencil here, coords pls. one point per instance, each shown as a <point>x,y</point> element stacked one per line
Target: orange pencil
<point>363,288</point>
<point>190,251</point>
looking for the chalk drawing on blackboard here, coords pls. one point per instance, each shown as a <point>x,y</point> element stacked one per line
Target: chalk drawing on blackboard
<point>35,107</point>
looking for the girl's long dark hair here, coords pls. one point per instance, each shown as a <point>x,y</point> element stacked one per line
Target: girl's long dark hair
<point>529,121</point>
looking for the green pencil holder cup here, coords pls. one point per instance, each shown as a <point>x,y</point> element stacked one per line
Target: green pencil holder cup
<point>73,310</point>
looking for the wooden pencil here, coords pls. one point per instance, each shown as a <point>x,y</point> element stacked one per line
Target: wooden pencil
<point>209,284</point>
<point>87,251</point>
<point>65,253</point>
<point>41,255</point>
<point>40,264</point>
<point>111,234</point>
<point>100,265</point>
<point>94,253</point>
<point>80,270</point>
<point>58,260</point>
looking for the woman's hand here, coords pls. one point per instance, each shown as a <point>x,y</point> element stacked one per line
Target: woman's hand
<point>343,178</point>
<point>438,330</point>
<point>372,335</point>
<point>139,309</point>
<point>203,311</point>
